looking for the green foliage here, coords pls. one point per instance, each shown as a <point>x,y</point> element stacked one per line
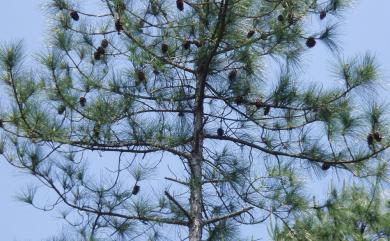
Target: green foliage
<point>223,231</point>
<point>353,214</point>
<point>11,56</point>
<point>182,95</point>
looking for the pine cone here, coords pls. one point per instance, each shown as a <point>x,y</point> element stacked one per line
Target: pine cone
<point>311,42</point>
<point>370,139</point>
<point>180,5</point>
<point>118,26</point>
<point>101,50</point>
<point>322,14</point>
<point>281,18</point>
<point>220,132</point>
<point>96,55</point>
<point>74,15</point>
<point>164,48</point>
<point>267,110</point>
<point>141,76</point>
<point>232,75</point>
<point>250,34</point>
<point>377,136</point>
<point>104,43</point>
<point>61,109</point>
<point>186,44</point>
<point>82,101</point>
<point>325,166</point>
<point>136,189</point>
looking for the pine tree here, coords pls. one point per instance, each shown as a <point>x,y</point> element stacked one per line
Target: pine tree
<point>353,214</point>
<point>201,142</point>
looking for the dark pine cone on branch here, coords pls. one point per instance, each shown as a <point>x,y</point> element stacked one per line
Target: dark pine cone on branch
<point>180,5</point>
<point>101,50</point>
<point>220,132</point>
<point>232,75</point>
<point>141,76</point>
<point>96,55</point>
<point>186,44</point>
<point>377,136</point>
<point>61,109</point>
<point>104,43</point>
<point>136,189</point>
<point>310,42</point>
<point>322,14</point>
<point>74,15</point>
<point>267,110</point>
<point>164,48</point>
<point>82,101</point>
<point>281,18</point>
<point>118,26</point>
<point>250,33</point>
<point>370,139</point>
<point>325,166</point>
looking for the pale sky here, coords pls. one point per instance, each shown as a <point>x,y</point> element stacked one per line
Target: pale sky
<point>365,28</point>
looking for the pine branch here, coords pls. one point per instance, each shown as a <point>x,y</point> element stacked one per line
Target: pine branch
<point>231,215</point>
<point>178,204</point>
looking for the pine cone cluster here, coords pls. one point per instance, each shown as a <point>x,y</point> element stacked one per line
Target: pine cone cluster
<point>101,50</point>
<point>376,136</point>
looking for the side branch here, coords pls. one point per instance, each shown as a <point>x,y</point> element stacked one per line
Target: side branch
<point>172,199</point>
<point>231,215</point>
<point>297,155</point>
<point>88,209</point>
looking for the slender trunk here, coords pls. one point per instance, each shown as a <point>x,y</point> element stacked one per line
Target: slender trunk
<point>195,225</point>
<point>196,199</point>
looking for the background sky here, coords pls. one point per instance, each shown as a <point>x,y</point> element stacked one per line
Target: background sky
<point>364,28</point>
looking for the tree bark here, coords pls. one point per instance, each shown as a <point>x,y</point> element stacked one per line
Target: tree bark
<point>195,163</point>
<point>195,224</point>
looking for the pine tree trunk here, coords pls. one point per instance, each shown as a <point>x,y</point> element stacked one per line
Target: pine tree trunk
<point>195,227</point>
<point>196,199</point>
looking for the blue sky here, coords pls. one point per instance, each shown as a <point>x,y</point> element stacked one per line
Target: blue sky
<point>364,28</point>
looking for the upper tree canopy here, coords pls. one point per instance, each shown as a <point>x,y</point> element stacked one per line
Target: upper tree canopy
<point>180,91</point>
